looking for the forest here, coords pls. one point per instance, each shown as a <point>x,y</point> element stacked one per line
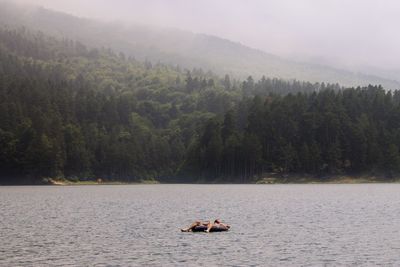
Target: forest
<point>179,47</point>
<point>74,112</point>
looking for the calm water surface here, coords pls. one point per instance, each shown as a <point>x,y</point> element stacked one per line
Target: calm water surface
<point>138,225</point>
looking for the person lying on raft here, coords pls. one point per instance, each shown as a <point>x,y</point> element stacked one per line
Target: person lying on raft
<point>208,224</point>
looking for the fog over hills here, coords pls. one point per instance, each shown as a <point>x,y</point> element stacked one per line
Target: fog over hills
<point>178,47</point>
<point>80,99</point>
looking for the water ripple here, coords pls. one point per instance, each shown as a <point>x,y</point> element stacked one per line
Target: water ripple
<point>273,225</point>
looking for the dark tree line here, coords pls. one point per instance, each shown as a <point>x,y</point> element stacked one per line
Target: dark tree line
<point>325,132</point>
<point>70,111</point>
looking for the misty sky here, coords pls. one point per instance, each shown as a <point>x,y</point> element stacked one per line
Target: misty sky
<point>348,33</point>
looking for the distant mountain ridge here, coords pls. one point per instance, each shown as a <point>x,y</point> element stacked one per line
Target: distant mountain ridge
<point>179,47</point>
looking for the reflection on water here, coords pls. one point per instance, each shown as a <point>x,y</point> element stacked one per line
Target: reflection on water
<point>282,225</point>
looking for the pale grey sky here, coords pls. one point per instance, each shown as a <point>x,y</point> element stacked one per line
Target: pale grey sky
<point>346,33</point>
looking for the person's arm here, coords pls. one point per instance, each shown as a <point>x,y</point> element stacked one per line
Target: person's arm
<point>209,226</point>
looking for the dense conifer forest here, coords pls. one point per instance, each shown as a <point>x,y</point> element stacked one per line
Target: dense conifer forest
<point>71,111</point>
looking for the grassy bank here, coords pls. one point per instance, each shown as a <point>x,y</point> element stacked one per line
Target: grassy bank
<point>66,182</point>
<point>275,178</point>
<point>267,178</point>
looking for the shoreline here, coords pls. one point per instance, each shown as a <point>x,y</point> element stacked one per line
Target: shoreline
<point>274,178</point>
<point>93,182</point>
<point>345,179</point>
<point>270,178</point>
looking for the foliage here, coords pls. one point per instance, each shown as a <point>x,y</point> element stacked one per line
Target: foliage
<point>75,112</point>
<point>326,132</point>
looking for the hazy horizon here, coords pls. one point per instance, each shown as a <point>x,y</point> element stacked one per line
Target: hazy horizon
<point>357,35</point>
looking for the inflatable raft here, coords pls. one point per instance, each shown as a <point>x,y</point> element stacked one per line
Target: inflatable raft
<point>203,228</point>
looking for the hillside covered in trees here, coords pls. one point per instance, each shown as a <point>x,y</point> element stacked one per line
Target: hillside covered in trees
<point>71,111</point>
<point>187,49</point>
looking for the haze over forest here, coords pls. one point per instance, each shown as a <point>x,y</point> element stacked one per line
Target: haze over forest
<point>163,96</point>
<point>358,35</point>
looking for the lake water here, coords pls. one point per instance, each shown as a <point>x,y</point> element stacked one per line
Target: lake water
<point>138,225</point>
